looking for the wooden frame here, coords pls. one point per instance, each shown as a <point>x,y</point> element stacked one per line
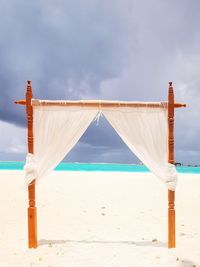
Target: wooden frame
<point>32,210</point>
<point>171,194</point>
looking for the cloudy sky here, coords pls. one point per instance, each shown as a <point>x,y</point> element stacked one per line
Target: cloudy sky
<point>92,49</point>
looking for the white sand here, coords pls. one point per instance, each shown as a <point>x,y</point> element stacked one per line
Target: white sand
<point>106,219</point>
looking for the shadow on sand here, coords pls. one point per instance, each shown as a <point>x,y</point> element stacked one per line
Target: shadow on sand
<point>43,242</point>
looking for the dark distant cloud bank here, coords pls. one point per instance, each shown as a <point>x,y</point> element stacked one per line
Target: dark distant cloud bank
<point>83,49</point>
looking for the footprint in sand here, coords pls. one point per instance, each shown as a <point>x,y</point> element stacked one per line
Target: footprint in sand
<point>103,208</point>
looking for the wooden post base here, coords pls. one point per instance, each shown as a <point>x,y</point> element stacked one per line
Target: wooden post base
<point>32,227</point>
<point>171,230</point>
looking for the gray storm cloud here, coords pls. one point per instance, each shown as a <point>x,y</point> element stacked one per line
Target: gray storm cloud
<point>125,50</point>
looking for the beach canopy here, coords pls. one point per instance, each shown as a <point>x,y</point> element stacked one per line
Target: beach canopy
<point>58,125</point>
<point>54,127</point>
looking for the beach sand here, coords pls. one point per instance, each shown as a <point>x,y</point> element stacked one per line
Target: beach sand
<point>92,219</point>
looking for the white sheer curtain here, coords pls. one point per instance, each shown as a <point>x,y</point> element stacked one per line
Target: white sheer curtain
<point>56,130</point>
<point>145,131</point>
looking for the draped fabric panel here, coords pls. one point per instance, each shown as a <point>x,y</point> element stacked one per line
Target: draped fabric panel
<point>57,129</point>
<point>145,132</point>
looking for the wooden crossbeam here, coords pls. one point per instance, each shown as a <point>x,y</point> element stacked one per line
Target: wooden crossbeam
<point>99,104</point>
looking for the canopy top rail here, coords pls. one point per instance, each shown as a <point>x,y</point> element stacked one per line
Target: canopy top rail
<point>99,103</point>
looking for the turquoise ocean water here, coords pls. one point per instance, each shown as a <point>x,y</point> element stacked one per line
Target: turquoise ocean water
<point>64,166</point>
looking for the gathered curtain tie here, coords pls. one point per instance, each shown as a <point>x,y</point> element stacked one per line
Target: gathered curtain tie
<point>31,168</point>
<point>171,176</point>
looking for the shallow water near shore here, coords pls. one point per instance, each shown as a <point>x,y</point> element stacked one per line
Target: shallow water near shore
<point>65,166</point>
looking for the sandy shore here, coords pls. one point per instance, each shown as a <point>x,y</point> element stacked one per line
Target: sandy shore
<point>89,219</point>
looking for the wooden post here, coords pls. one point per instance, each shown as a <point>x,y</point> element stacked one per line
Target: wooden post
<point>32,211</point>
<point>171,194</point>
